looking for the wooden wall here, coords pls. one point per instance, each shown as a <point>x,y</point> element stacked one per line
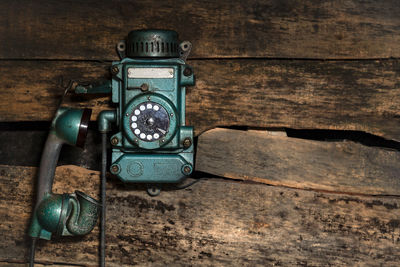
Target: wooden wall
<point>326,70</point>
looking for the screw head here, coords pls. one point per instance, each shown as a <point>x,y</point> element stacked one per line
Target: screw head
<point>187,71</point>
<point>144,87</point>
<point>187,143</point>
<point>114,141</point>
<point>114,70</point>
<point>114,168</point>
<point>186,170</point>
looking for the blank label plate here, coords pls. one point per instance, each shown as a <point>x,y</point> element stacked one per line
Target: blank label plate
<point>157,73</point>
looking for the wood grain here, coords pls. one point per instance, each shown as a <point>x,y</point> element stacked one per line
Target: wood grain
<point>276,160</point>
<point>340,95</point>
<point>213,223</point>
<point>24,264</point>
<point>287,29</point>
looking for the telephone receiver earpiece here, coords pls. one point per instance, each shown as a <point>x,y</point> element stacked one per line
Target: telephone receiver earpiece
<point>62,214</point>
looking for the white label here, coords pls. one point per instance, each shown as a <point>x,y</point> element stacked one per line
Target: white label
<point>145,73</point>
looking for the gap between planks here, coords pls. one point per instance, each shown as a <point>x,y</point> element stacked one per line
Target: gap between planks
<point>337,167</point>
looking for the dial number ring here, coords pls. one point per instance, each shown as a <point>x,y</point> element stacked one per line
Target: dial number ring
<point>149,121</point>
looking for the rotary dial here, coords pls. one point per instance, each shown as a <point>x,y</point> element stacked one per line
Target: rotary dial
<point>149,121</point>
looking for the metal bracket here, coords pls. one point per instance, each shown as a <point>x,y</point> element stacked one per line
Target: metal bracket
<point>121,49</point>
<point>153,189</point>
<point>184,49</point>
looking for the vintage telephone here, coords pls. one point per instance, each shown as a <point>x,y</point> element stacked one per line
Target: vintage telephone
<point>152,145</point>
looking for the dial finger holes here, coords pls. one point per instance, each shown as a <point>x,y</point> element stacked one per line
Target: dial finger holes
<point>149,122</point>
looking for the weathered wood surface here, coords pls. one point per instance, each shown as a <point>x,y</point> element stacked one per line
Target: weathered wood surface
<point>344,95</point>
<point>276,160</point>
<point>287,29</point>
<point>213,223</point>
<point>24,264</point>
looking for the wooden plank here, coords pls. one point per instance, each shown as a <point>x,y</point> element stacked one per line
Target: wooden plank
<point>24,264</point>
<point>213,223</point>
<point>298,163</point>
<point>254,28</point>
<point>340,95</point>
